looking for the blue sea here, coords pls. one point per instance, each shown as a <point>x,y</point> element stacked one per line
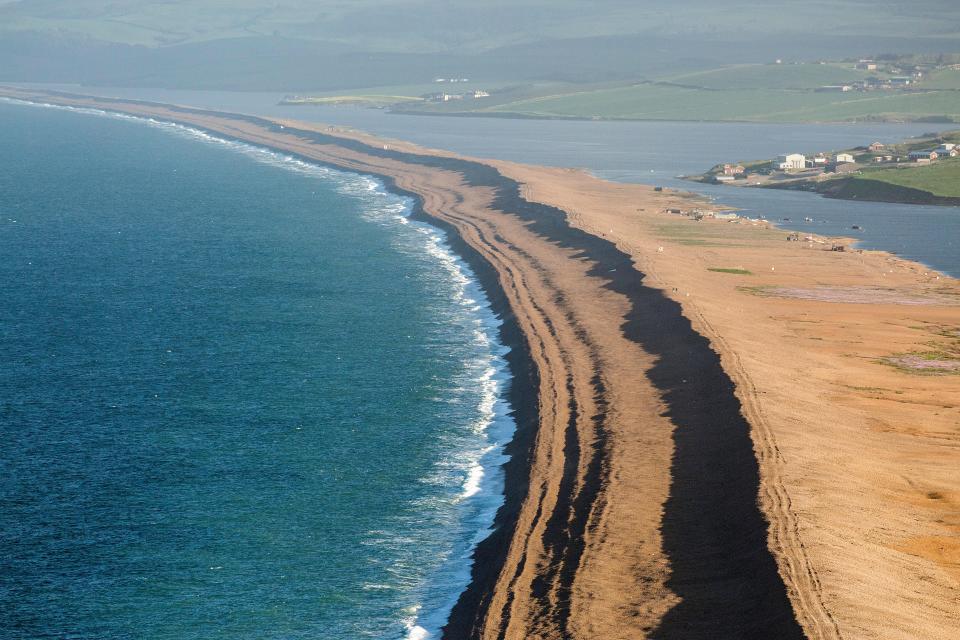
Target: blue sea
<point>241,396</point>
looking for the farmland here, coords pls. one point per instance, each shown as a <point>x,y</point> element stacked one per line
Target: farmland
<point>941,178</point>
<point>753,93</point>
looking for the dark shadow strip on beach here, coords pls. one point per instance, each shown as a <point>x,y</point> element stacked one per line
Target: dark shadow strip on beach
<point>714,534</point>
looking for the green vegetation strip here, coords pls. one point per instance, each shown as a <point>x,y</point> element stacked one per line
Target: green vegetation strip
<point>741,272</point>
<point>941,178</point>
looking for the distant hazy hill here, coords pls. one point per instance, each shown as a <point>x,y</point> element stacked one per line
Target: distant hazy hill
<point>316,44</point>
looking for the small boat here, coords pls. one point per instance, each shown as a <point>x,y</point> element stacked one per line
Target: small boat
<point>857,227</point>
<point>808,219</point>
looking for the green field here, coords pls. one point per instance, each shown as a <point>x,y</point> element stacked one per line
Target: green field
<point>944,79</point>
<point>601,50</point>
<point>941,178</point>
<point>772,76</point>
<point>752,93</point>
<point>416,25</point>
<point>651,101</point>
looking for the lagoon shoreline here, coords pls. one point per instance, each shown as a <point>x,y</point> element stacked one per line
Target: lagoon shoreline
<point>631,504</point>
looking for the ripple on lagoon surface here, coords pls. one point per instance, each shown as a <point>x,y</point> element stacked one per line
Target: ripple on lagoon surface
<point>241,402</point>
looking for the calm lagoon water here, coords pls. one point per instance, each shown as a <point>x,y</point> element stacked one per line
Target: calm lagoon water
<point>240,396</point>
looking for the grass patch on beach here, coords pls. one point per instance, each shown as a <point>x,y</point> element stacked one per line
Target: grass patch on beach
<point>764,290</point>
<point>692,234</point>
<point>942,358</point>
<point>866,389</point>
<point>740,272</point>
<point>930,363</point>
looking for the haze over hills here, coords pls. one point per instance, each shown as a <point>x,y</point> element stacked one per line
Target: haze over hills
<point>330,44</point>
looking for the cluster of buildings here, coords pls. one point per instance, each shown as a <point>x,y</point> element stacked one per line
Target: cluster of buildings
<point>837,163</point>
<point>946,150</point>
<point>899,77</point>
<point>871,84</point>
<point>799,162</point>
<point>907,72</point>
<point>447,97</point>
<point>843,162</point>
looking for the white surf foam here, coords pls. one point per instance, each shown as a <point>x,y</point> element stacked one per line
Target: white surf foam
<point>472,465</point>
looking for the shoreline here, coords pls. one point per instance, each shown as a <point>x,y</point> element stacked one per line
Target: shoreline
<point>840,189</point>
<point>852,241</point>
<point>844,189</point>
<point>520,397</point>
<point>622,373</point>
<point>521,392</point>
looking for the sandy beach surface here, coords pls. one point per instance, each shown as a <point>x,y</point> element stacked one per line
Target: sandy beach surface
<point>721,434</point>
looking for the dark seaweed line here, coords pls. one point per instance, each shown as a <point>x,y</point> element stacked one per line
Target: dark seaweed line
<point>713,530</point>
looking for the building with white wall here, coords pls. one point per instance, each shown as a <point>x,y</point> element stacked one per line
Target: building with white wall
<point>791,161</point>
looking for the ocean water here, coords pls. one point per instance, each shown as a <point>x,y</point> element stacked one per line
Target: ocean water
<point>241,396</point>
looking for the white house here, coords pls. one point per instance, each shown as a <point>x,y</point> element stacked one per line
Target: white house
<point>947,149</point>
<point>791,161</point>
<point>844,158</point>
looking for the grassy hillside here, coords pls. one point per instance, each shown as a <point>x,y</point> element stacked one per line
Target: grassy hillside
<point>296,45</point>
<point>746,92</point>
<point>944,79</point>
<point>941,178</point>
<point>771,76</point>
<point>424,25</point>
<point>657,100</point>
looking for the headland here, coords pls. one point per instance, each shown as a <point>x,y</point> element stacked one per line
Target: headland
<point>922,170</point>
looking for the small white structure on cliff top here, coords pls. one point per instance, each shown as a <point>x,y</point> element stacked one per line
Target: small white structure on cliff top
<point>844,158</point>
